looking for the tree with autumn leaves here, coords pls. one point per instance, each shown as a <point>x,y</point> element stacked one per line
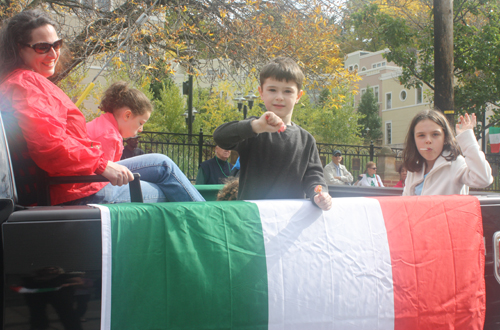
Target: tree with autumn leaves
<point>240,36</point>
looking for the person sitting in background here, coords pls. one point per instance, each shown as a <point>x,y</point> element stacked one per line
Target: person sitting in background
<point>370,178</point>
<point>336,173</point>
<point>214,170</point>
<point>402,177</point>
<point>131,149</point>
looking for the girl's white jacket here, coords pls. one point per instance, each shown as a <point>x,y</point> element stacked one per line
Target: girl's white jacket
<point>454,177</point>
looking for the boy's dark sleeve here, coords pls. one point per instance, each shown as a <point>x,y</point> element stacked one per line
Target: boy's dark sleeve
<point>314,174</point>
<point>228,135</point>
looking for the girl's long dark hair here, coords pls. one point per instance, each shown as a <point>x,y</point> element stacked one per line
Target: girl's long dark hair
<point>412,160</point>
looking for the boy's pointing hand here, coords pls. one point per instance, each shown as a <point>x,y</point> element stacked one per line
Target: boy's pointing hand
<point>268,122</point>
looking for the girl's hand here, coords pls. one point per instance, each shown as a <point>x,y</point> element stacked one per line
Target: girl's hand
<point>465,123</point>
<point>268,122</point>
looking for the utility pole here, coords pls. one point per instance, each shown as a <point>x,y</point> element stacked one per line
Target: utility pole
<point>190,105</point>
<point>187,89</point>
<point>443,59</point>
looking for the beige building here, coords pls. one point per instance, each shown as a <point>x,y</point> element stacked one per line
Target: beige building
<point>397,104</point>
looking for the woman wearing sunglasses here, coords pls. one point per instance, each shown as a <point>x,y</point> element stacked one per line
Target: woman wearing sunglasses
<point>54,128</point>
<point>370,178</point>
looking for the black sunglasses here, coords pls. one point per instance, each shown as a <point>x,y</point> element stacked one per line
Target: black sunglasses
<point>44,47</point>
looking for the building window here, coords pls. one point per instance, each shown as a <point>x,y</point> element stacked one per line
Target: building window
<point>419,96</point>
<point>351,68</point>
<point>356,67</point>
<point>375,92</point>
<point>388,101</point>
<point>363,91</point>
<point>388,132</point>
<point>363,68</point>
<point>402,95</point>
<point>378,65</point>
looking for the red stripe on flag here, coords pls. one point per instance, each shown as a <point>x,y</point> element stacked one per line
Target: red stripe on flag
<point>437,254</point>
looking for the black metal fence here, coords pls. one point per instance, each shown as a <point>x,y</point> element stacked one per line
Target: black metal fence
<point>494,160</point>
<point>189,151</point>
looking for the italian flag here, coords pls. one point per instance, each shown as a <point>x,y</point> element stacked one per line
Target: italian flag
<point>368,263</point>
<point>494,133</point>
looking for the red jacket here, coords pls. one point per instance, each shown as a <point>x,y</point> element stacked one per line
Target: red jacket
<point>55,132</point>
<point>105,130</point>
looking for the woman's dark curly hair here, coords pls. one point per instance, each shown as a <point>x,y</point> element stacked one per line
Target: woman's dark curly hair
<point>120,95</point>
<point>15,31</point>
<point>230,190</point>
<point>412,160</point>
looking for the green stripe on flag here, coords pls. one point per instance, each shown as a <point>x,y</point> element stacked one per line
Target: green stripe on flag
<point>188,266</point>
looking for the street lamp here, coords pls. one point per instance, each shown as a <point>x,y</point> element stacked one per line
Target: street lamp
<point>249,98</point>
<point>187,88</point>
<point>186,116</point>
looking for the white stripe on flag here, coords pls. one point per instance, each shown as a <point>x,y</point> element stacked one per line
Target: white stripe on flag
<point>106,267</point>
<point>494,138</point>
<point>327,270</point>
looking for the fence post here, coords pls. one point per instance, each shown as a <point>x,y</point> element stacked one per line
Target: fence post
<point>371,151</point>
<point>200,147</point>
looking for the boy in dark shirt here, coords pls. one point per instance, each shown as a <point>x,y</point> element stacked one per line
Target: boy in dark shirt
<point>279,160</point>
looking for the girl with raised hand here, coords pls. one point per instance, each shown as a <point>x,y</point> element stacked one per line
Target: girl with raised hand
<point>433,156</point>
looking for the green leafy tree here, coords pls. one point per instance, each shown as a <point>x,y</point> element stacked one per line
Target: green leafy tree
<point>371,121</point>
<point>411,44</point>
<point>327,121</point>
<point>169,105</point>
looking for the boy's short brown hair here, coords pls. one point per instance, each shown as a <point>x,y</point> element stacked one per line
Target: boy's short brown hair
<point>282,68</point>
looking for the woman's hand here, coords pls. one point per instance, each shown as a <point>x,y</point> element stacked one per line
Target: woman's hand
<point>117,174</point>
<point>466,122</point>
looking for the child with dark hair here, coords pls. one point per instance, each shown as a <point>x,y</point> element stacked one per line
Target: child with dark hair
<point>434,161</point>
<point>126,110</point>
<point>230,190</point>
<point>279,159</point>
<point>402,176</point>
